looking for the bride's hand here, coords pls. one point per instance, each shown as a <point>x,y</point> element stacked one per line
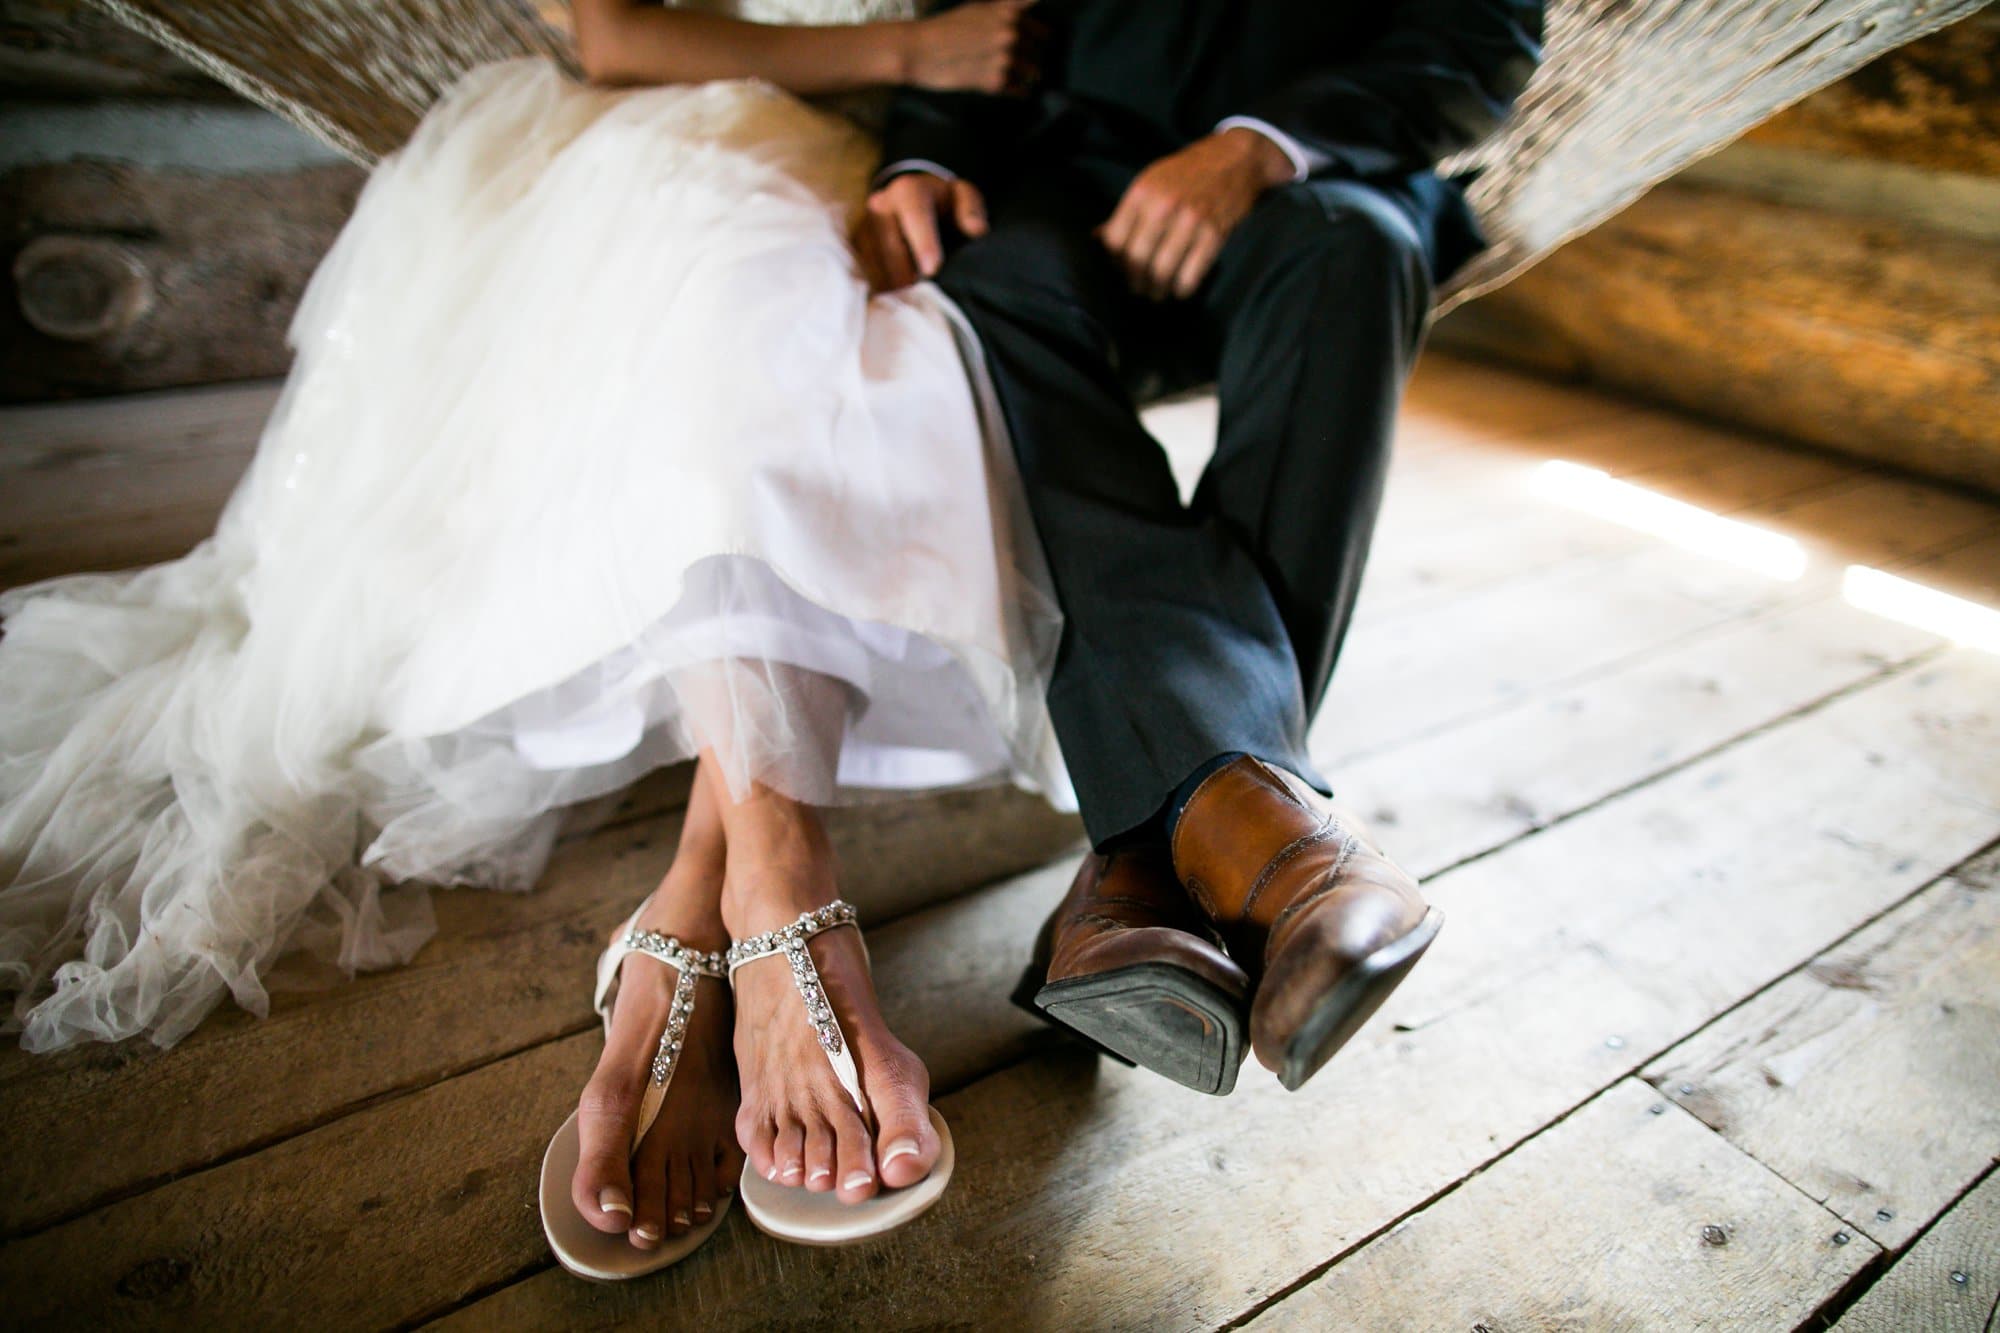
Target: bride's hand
<point>986,46</point>
<point>900,237</point>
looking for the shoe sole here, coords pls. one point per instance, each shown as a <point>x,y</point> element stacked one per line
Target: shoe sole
<point>1023,998</point>
<point>1353,1001</point>
<point>1155,1016</point>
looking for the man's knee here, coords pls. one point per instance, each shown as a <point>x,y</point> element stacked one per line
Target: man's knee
<point>1338,230</point>
<point>1029,264</point>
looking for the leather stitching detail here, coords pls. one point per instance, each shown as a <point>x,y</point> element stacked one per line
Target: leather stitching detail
<point>1278,862</point>
<point>1326,885</point>
<point>1127,900</point>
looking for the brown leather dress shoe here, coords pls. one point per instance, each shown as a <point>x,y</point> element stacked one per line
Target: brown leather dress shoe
<point>1305,900</point>
<point>1128,963</point>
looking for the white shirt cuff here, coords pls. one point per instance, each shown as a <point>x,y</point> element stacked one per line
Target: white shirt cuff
<point>908,164</point>
<point>1304,160</point>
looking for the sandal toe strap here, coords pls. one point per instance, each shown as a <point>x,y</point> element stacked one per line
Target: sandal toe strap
<point>690,965</point>
<point>791,941</point>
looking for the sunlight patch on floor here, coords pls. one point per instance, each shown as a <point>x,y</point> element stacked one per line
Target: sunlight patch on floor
<point>1690,527</point>
<point>1593,491</point>
<point>1941,613</point>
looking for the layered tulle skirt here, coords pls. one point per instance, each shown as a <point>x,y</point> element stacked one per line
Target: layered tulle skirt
<point>595,452</point>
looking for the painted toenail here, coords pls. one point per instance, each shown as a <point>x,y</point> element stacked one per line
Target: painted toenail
<point>772,1174</point>
<point>647,1231</point>
<point>900,1148</point>
<point>821,1173</point>
<point>680,1219</point>
<point>614,1200</point>
<point>857,1180</point>
<point>702,1212</point>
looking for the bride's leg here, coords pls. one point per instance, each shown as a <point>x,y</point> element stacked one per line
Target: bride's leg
<point>689,1159</point>
<point>796,1123</point>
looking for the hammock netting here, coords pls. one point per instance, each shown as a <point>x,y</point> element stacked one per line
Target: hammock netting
<point>1631,90</point>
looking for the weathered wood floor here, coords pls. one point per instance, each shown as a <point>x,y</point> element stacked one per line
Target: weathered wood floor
<point>1711,1040</point>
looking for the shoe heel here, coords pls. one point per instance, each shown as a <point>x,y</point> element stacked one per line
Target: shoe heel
<point>1158,1017</point>
<point>1024,997</point>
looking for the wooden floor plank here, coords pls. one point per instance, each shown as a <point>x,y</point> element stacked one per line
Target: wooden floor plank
<point>1626,1216</point>
<point>212,421</point>
<point>1948,1282</point>
<point>451,982</point>
<point>475,1010</point>
<point>1419,675</point>
<point>1565,960</point>
<point>505,972</point>
<point>117,482</point>
<point>458,1159</point>
<point>1871,1080</point>
<point>1455,483</point>
<point>1511,527</point>
<point>1691,870</point>
<point>1549,933</point>
<point>1507,402</point>
<point>1452,795</point>
<point>1809,813</point>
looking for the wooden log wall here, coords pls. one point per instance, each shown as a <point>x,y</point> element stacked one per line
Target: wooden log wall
<point>155,231</point>
<point>1833,277</point>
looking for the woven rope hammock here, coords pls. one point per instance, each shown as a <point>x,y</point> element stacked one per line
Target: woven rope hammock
<point>1631,91</point>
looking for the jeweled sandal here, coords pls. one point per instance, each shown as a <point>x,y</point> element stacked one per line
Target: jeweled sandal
<point>580,1247</point>
<point>791,1212</point>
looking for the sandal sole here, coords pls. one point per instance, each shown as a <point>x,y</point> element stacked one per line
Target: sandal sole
<point>796,1214</point>
<point>602,1256</point>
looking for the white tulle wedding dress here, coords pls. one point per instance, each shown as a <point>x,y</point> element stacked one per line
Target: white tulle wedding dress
<point>593,442</point>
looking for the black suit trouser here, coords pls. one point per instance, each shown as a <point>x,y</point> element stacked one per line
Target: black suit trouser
<point>1199,630</point>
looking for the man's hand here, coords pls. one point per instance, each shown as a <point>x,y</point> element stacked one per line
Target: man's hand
<point>899,241</point>
<point>1177,213</point>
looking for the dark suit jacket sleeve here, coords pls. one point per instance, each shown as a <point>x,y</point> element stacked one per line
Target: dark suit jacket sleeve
<point>1439,79</point>
<point>958,131</point>
<point>961,132</point>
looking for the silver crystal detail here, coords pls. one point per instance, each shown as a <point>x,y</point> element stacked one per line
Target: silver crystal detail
<point>790,940</point>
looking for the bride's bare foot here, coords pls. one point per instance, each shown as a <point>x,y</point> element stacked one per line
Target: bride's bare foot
<point>796,1122</point>
<point>689,1159</point>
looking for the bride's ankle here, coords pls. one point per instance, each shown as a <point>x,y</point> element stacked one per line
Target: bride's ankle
<point>780,864</point>
<point>698,927</point>
<point>688,903</point>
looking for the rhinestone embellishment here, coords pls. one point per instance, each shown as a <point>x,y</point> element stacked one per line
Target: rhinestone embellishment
<point>669,1053</point>
<point>691,965</point>
<point>791,941</point>
<point>675,954</point>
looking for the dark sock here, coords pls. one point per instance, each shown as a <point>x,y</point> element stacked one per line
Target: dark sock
<point>1170,813</point>
<point>1159,828</point>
